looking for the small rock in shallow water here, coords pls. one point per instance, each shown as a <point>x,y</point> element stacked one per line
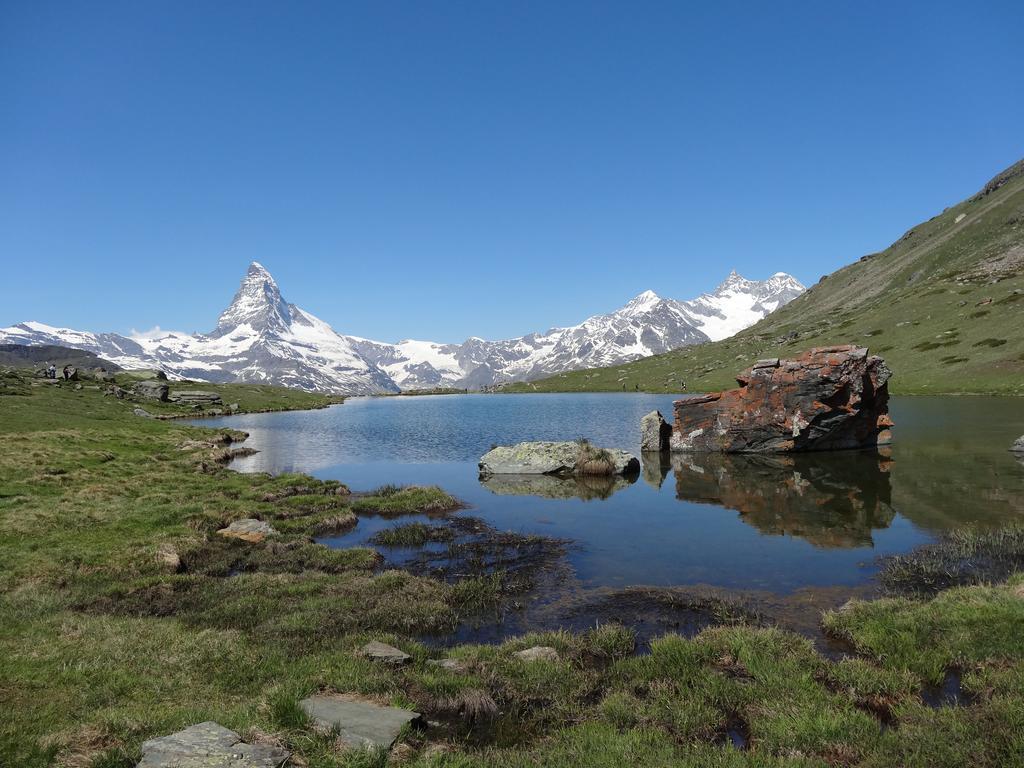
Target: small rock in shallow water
<point>386,653</point>
<point>545,652</point>
<point>360,723</point>
<point>209,745</point>
<point>248,529</point>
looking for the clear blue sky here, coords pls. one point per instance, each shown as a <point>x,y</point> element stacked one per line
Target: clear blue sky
<point>461,167</point>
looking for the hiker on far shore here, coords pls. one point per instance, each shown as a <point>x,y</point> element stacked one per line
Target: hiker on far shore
<point>67,373</point>
<point>51,371</point>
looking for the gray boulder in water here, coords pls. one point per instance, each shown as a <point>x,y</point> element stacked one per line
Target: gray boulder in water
<point>654,433</point>
<point>557,458</point>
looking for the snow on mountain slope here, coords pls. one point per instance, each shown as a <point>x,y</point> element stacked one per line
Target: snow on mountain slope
<point>738,303</point>
<point>259,338</point>
<point>262,338</point>
<point>647,325</point>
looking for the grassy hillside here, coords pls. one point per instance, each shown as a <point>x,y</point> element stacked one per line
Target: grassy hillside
<point>944,305</point>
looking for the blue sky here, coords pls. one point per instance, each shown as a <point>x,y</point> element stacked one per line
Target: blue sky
<point>446,169</point>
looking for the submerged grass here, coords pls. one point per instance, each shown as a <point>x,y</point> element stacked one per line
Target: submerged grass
<point>412,535</point>
<point>123,616</point>
<point>961,557</point>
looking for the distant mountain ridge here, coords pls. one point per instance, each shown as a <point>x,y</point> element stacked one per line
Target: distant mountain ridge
<point>944,305</point>
<point>262,338</point>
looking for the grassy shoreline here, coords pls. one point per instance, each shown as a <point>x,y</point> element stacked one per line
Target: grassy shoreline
<point>124,615</point>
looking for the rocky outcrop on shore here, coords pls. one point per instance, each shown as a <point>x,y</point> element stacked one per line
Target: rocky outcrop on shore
<point>1018,445</point>
<point>828,398</point>
<point>562,459</point>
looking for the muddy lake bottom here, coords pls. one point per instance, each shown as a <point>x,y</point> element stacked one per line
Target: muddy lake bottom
<point>693,541</point>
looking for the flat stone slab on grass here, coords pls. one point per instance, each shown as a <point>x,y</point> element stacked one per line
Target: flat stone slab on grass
<point>545,652</point>
<point>360,723</point>
<point>248,529</point>
<point>385,653</point>
<point>209,745</point>
<point>194,396</point>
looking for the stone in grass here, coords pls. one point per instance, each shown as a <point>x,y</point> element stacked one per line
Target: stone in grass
<point>1018,445</point>
<point>209,745</point>
<point>537,653</point>
<point>142,413</point>
<point>248,529</point>
<point>385,653</point>
<point>451,665</point>
<point>360,723</point>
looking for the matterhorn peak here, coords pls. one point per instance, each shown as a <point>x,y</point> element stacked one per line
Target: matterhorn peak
<point>258,303</point>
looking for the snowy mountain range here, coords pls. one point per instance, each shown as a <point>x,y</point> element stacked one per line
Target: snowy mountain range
<point>262,338</point>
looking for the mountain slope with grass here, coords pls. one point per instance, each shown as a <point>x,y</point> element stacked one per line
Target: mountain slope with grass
<point>944,305</point>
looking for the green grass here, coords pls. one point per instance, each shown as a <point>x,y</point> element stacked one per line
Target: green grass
<point>966,277</point>
<point>107,640</point>
<point>390,501</point>
<point>412,535</point>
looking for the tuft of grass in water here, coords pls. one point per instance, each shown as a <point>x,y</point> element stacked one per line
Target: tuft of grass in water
<point>412,535</point>
<point>594,461</point>
<point>961,557</point>
<point>410,500</point>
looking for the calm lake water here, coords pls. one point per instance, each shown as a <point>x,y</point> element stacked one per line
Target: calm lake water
<point>776,524</point>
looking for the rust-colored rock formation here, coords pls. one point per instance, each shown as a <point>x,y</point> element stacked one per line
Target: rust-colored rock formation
<point>826,399</point>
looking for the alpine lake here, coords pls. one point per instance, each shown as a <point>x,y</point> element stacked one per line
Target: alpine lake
<point>783,537</point>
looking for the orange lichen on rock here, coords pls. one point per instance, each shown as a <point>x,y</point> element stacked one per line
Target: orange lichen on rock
<point>828,398</point>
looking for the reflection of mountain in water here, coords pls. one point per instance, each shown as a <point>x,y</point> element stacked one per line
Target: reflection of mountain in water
<point>831,500</point>
<point>583,487</point>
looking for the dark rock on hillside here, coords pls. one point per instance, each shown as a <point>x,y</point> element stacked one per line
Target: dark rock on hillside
<point>829,398</point>
<point>152,390</point>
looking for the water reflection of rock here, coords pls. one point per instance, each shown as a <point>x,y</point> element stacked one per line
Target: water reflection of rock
<point>831,500</point>
<point>584,487</point>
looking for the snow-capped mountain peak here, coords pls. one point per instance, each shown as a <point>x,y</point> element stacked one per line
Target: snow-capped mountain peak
<point>643,302</point>
<point>260,337</point>
<point>258,304</point>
